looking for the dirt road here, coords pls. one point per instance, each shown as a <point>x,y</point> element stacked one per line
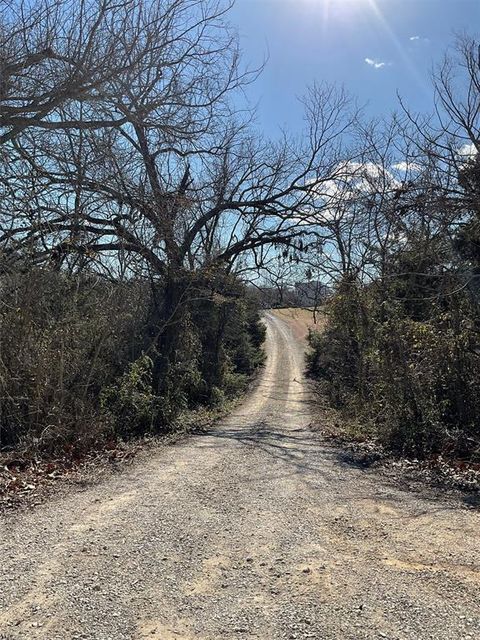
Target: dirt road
<point>256,530</point>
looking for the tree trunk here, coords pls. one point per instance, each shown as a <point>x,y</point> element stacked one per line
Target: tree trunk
<point>214,352</point>
<point>172,318</point>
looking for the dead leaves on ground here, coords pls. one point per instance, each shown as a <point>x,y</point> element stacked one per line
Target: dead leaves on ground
<point>25,480</point>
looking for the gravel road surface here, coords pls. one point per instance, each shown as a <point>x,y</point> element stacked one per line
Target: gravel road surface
<point>254,530</point>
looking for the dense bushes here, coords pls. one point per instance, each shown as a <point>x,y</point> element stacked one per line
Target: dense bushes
<point>412,381</point>
<point>77,358</point>
<point>61,341</point>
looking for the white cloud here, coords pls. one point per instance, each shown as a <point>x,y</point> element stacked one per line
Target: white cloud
<point>350,182</point>
<point>376,64</point>
<point>468,151</point>
<point>367,169</point>
<point>419,39</point>
<point>406,166</point>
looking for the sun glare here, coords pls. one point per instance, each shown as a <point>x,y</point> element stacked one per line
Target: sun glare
<point>347,9</point>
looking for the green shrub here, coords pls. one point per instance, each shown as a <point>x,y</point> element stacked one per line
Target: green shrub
<point>130,403</point>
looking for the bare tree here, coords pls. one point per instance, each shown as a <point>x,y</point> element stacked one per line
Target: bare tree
<point>160,163</point>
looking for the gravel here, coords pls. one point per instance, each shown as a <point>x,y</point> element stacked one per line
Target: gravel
<point>257,529</point>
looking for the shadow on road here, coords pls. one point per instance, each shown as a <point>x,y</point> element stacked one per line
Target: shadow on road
<point>318,461</point>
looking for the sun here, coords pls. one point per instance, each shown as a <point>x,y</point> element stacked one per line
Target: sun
<point>346,8</point>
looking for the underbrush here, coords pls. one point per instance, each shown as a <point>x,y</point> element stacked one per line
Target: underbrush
<point>409,382</point>
<point>78,360</point>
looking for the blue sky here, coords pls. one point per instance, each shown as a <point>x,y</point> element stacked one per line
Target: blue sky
<point>373,47</point>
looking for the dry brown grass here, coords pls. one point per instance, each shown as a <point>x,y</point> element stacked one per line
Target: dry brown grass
<point>301,319</point>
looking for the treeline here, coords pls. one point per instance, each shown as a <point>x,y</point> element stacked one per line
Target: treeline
<point>401,351</point>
